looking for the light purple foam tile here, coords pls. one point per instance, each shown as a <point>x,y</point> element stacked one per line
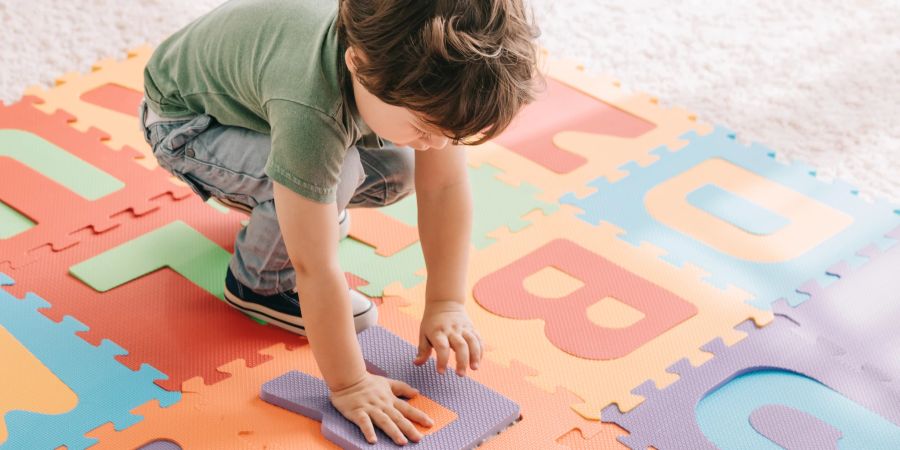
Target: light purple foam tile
<point>667,420</point>
<point>792,429</point>
<point>858,313</point>
<point>161,445</point>
<point>481,412</point>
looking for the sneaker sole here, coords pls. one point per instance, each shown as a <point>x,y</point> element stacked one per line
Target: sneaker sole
<point>361,320</point>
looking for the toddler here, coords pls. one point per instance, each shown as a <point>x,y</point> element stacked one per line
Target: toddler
<point>293,111</point>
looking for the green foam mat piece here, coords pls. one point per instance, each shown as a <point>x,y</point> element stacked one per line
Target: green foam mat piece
<point>361,260</point>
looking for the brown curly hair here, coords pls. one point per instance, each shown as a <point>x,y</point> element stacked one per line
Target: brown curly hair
<point>467,66</point>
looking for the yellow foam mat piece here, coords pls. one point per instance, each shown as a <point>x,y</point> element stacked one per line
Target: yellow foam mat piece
<point>28,385</point>
<point>598,382</point>
<point>122,128</point>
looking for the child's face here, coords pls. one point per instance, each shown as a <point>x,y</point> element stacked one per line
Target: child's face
<point>398,125</point>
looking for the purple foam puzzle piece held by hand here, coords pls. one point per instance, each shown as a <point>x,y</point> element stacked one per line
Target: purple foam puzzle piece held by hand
<point>791,428</point>
<point>481,412</point>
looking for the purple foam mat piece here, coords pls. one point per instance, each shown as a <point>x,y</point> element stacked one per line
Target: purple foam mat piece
<point>481,412</point>
<point>161,445</point>
<point>791,428</point>
<point>666,419</point>
<point>857,314</point>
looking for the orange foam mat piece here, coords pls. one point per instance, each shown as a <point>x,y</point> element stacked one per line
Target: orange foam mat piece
<point>125,75</point>
<point>546,416</point>
<point>598,382</point>
<point>381,231</point>
<point>604,153</point>
<point>228,414</point>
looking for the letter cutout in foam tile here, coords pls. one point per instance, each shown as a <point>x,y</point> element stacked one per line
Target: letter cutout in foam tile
<point>562,108</point>
<point>727,414</point>
<point>809,222</point>
<point>115,97</point>
<point>176,245</point>
<point>828,221</point>
<point>481,412</point>
<point>566,321</point>
<point>57,164</point>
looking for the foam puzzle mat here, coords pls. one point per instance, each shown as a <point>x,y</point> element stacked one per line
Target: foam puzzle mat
<point>641,279</point>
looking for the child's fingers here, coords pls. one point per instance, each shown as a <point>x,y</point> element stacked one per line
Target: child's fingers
<point>387,425</point>
<point>442,349</point>
<point>412,413</point>
<point>362,420</point>
<point>461,348</point>
<point>475,350</point>
<point>406,427</point>
<point>424,351</point>
<point>401,389</point>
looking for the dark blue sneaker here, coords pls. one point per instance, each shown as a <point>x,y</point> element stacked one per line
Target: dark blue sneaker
<point>283,310</point>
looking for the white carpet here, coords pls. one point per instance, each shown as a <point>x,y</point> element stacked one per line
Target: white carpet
<point>819,81</point>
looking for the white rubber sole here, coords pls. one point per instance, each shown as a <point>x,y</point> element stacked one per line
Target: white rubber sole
<point>361,320</point>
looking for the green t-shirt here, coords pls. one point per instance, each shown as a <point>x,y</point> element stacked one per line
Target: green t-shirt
<point>273,66</point>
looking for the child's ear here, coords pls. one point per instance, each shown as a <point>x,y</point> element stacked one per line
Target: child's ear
<point>348,59</point>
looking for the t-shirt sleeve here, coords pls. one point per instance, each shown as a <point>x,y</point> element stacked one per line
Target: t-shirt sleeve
<point>308,149</point>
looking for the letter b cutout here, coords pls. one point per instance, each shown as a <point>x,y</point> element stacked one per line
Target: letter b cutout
<point>566,320</point>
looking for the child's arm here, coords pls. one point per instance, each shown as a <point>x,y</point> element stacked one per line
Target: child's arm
<point>445,226</point>
<point>310,233</point>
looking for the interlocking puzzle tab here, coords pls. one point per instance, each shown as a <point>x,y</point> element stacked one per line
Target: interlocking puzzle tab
<point>105,390</point>
<point>825,220</point>
<point>481,412</point>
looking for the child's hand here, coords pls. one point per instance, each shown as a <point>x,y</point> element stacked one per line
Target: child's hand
<point>374,400</point>
<point>446,326</point>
